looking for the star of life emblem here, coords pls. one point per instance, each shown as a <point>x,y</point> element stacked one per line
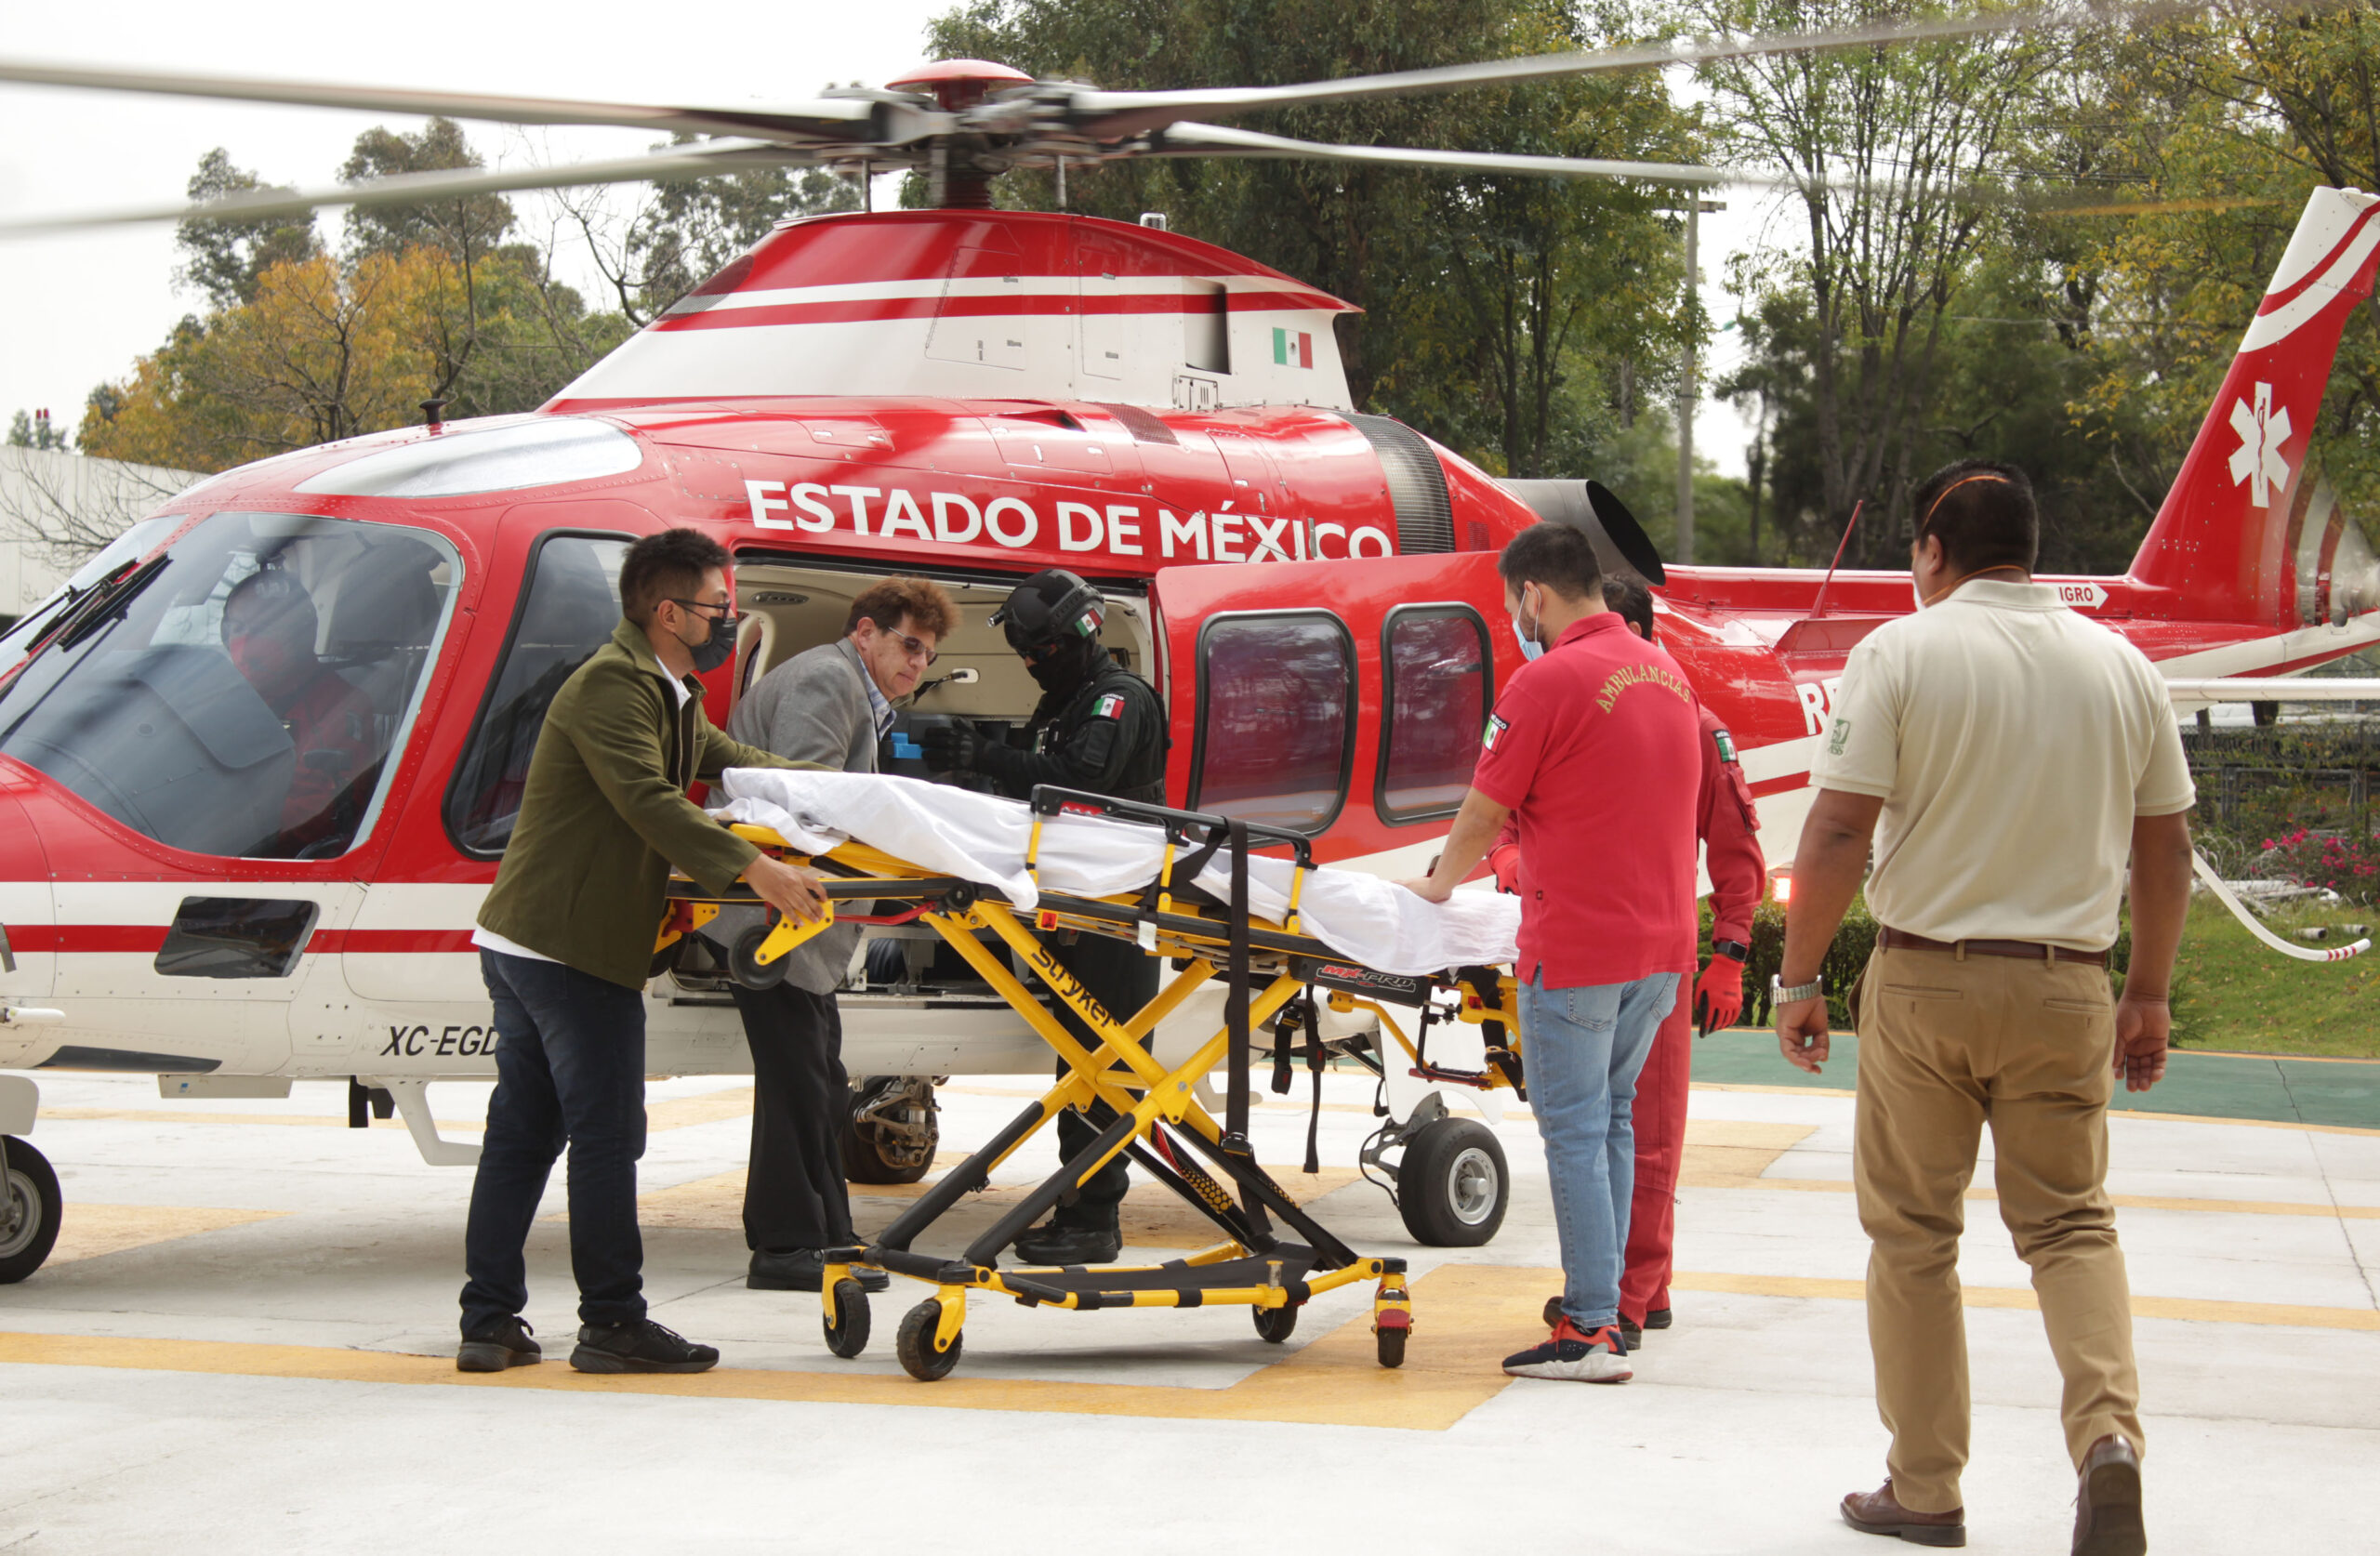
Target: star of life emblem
<point>2258,459</point>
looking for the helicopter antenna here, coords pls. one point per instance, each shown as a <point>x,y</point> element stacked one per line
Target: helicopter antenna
<point>1817,608</point>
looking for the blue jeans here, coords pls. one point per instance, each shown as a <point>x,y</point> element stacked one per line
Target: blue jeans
<point>569,1071</point>
<point>1583,1048</point>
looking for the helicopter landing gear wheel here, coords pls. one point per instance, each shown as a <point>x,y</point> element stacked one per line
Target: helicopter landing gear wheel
<point>1453,1187</point>
<point>847,1330</point>
<point>1391,1346</point>
<point>744,966</point>
<point>891,1129</point>
<point>1275,1325</point>
<point>30,1208</point>
<point>916,1343</point>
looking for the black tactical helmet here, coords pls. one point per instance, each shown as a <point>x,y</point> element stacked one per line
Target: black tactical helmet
<point>1054,606</point>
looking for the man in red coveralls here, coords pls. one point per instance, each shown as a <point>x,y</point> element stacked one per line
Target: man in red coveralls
<point>1723,818</point>
<point>1594,751</point>
<point>269,630</point>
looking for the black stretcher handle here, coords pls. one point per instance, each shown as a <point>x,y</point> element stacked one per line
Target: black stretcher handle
<point>1048,800</point>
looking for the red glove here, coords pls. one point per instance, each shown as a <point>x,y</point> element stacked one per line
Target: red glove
<point>1719,994</point>
<point>1506,862</point>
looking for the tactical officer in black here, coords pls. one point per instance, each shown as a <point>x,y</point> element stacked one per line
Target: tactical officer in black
<point>1098,727</point>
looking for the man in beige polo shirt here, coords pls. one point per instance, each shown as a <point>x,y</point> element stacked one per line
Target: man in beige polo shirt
<point>2016,753</point>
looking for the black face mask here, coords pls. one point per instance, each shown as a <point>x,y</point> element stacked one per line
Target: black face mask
<point>713,651</point>
<point>1066,667</point>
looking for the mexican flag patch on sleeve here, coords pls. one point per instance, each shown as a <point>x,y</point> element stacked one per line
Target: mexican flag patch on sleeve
<point>1496,727</point>
<point>1109,706</point>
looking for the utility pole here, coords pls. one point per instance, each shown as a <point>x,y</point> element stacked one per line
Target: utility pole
<point>1686,389</point>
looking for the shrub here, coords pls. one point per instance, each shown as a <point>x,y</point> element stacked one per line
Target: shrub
<point>1854,942</point>
<point>2350,867</point>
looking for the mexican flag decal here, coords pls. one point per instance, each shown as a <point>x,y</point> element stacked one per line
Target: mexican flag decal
<point>1292,348</point>
<point>1109,706</point>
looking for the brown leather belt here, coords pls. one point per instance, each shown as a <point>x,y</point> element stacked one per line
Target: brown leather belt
<point>1901,940</point>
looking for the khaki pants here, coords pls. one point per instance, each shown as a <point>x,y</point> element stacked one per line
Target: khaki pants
<point>1948,1044</point>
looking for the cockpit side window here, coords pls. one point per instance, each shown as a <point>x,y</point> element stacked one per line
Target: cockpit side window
<point>569,608</point>
<point>242,695</point>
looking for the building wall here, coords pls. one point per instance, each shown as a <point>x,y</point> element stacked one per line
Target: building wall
<point>40,488</point>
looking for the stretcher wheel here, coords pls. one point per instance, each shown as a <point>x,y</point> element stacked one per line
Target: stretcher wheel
<point>1391,1346</point>
<point>915,1346</point>
<point>744,966</point>
<point>1277,1323</point>
<point>1452,1186</point>
<point>847,1332</point>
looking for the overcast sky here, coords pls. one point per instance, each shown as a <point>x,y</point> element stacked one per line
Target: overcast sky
<point>76,310</point>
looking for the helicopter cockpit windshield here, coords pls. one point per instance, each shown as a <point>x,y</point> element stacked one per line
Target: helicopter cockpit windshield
<point>245,699</point>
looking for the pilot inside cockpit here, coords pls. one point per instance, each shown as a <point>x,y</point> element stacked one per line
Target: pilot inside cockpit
<point>270,630</point>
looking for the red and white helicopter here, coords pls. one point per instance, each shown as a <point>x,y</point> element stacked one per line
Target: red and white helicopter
<point>192,887</point>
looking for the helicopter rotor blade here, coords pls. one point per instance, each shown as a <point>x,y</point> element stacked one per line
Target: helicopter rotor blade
<point>1113,115</point>
<point>1203,140</point>
<point>408,188</point>
<point>857,118</point>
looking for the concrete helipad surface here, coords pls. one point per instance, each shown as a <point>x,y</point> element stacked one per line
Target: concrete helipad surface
<point>244,1342</point>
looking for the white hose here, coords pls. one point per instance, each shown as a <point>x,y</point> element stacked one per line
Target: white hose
<point>2239,911</point>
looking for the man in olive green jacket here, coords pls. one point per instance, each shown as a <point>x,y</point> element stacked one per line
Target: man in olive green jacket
<point>565,942</point>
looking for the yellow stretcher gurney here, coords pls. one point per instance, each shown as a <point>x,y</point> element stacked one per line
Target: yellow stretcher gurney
<point>1147,1111</point>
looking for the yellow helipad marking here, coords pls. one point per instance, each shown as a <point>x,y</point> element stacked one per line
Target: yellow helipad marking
<point>1468,1318</point>
<point>1691,1179</point>
<point>88,1230</point>
<point>671,1112</point>
<point>2197,1308</point>
<point>173,1116</point>
<point>1153,1216</point>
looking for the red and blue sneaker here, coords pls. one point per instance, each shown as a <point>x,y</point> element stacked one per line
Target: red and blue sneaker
<point>1576,1355</point>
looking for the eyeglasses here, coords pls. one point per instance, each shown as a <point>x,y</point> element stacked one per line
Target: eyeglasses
<point>726,615</point>
<point>914,647</point>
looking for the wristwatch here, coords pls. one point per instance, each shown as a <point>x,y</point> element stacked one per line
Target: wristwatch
<point>1735,950</point>
<point>1779,993</point>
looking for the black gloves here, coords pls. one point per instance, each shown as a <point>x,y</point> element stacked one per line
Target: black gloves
<point>951,748</point>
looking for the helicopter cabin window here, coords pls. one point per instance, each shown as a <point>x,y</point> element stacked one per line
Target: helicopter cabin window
<point>1436,660</point>
<point>242,694</point>
<point>1277,717</point>
<point>569,607</point>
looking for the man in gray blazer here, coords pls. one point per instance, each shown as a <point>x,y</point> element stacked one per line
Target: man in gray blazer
<point>829,704</point>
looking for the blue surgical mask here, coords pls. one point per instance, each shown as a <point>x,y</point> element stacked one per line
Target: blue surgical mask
<point>1527,636</point>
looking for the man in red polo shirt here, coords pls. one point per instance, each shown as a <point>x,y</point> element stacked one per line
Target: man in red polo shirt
<point>1596,751</point>
<point>1730,830</point>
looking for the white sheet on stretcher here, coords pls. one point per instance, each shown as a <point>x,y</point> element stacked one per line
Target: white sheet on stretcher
<point>979,838</point>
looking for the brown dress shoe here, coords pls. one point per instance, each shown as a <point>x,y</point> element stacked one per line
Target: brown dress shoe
<point>2107,1504</point>
<point>1880,1512</point>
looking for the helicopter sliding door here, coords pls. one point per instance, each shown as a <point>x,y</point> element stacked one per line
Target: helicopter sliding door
<point>1344,698</point>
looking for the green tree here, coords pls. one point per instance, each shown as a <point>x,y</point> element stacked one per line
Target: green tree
<point>1891,146</point>
<point>26,430</point>
<point>222,259</point>
<point>1499,314</point>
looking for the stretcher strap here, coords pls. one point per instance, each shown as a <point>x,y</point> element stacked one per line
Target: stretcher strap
<point>1314,1063</point>
<point>1235,997</point>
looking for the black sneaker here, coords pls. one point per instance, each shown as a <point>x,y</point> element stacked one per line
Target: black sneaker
<point>1575,1356</point>
<point>505,1343</point>
<point>801,1270</point>
<point>1050,1244</point>
<point>642,1346</point>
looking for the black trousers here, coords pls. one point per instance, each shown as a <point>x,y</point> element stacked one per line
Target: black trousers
<point>794,1193</point>
<point>569,1075</point>
<point>1118,975</point>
